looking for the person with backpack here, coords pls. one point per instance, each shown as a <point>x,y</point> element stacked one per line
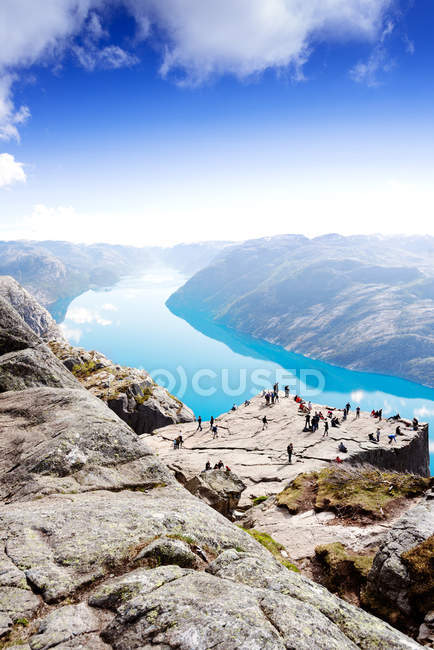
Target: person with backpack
<point>214,432</point>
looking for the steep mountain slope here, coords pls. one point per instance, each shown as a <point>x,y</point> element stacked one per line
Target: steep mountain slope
<point>366,303</point>
<point>102,548</point>
<point>55,272</point>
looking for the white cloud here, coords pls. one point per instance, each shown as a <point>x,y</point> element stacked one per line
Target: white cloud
<point>111,57</point>
<point>423,412</point>
<point>109,307</point>
<point>82,315</point>
<point>198,39</point>
<point>245,37</point>
<point>11,171</point>
<point>367,72</point>
<point>73,335</point>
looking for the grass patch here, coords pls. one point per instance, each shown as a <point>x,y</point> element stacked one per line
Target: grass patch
<point>257,500</point>
<point>343,571</point>
<point>146,394</point>
<point>84,370</point>
<point>350,491</point>
<point>275,548</point>
<point>297,496</point>
<point>332,555</point>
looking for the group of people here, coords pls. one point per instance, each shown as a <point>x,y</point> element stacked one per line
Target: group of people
<point>218,465</point>
<point>311,423</point>
<point>178,442</point>
<point>392,435</point>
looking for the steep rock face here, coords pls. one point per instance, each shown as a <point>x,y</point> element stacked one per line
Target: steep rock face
<point>37,317</point>
<point>25,361</point>
<point>86,512</point>
<point>130,393</point>
<point>400,583</point>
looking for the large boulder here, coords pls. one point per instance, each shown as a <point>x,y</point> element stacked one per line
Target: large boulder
<point>220,489</point>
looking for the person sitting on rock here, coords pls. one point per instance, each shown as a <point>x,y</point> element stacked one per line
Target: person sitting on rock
<point>398,431</point>
<point>207,466</point>
<point>220,464</point>
<point>216,466</point>
<point>372,437</point>
<point>338,460</point>
<point>342,448</point>
<point>394,417</point>
<point>175,443</point>
<point>228,469</point>
<point>415,424</point>
<point>335,422</point>
<point>247,402</point>
<point>373,413</point>
<point>234,407</point>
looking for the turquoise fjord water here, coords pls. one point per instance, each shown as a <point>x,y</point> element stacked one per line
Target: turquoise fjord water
<point>210,367</point>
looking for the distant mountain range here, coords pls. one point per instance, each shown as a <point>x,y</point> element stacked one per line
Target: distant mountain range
<point>55,272</point>
<point>362,302</point>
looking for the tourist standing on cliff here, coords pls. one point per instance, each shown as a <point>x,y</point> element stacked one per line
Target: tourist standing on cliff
<point>358,412</point>
<point>347,408</point>
<point>199,424</point>
<point>214,432</point>
<point>211,422</point>
<point>286,391</point>
<point>289,449</point>
<point>264,423</point>
<point>326,429</point>
<point>378,434</point>
<point>307,422</point>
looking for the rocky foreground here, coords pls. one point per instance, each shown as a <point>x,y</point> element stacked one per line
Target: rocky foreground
<point>103,548</point>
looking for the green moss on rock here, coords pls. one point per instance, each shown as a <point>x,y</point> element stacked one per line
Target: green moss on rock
<point>274,547</point>
<point>351,491</point>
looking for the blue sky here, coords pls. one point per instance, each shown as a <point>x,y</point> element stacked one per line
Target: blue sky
<point>145,121</point>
